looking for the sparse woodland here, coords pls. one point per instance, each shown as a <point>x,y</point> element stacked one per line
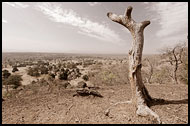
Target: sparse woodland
<point>56,80</point>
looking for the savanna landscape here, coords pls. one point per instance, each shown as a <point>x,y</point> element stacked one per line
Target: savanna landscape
<point>102,79</point>
<point>45,93</point>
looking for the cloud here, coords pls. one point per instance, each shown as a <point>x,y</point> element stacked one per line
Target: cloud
<point>171,16</point>
<point>125,30</point>
<point>85,26</point>
<point>4,21</point>
<point>93,3</point>
<point>17,4</point>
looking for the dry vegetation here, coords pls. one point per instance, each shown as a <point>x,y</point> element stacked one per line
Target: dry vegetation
<point>45,93</point>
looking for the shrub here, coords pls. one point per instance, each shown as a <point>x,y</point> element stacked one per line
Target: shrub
<point>44,70</point>
<point>161,75</point>
<point>85,77</point>
<point>71,65</point>
<point>14,69</point>
<point>110,75</point>
<point>63,76</point>
<point>33,72</point>
<point>183,74</point>
<point>77,70</point>
<point>6,74</point>
<point>14,80</point>
<point>52,75</point>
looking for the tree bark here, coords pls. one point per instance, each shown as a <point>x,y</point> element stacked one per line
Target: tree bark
<point>140,95</point>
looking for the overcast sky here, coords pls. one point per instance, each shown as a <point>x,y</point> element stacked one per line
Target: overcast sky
<point>83,27</point>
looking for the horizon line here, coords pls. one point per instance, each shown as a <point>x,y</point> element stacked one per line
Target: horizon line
<point>77,53</point>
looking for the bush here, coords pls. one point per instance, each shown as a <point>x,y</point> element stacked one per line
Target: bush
<point>161,75</point>
<point>6,74</point>
<point>183,74</point>
<point>110,75</point>
<point>71,65</point>
<point>85,77</point>
<point>14,80</point>
<point>44,70</point>
<point>63,76</point>
<point>14,69</point>
<point>33,72</point>
<point>77,70</point>
<point>52,75</point>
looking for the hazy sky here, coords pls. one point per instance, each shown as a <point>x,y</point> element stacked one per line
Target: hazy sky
<point>83,27</point>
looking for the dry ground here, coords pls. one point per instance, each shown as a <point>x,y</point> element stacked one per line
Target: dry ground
<point>59,106</point>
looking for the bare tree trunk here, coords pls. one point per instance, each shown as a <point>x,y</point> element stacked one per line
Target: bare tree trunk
<point>175,75</point>
<point>140,95</point>
<point>175,59</point>
<point>175,66</point>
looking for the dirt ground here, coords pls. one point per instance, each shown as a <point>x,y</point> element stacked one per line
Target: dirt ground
<point>60,107</point>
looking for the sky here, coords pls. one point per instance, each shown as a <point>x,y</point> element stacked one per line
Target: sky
<point>83,27</point>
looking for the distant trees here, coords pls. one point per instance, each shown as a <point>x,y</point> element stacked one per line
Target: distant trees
<point>33,71</point>
<point>173,56</point>
<point>151,63</point>
<point>36,71</point>
<point>43,70</point>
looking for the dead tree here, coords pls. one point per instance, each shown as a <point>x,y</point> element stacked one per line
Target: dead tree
<point>151,65</point>
<point>140,95</point>
<point>87,92</point>
<point>174,57</point>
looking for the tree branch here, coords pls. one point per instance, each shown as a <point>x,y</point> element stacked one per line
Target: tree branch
<point>128,12</point>
<point>145,23</point>
<point>114,17</point>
